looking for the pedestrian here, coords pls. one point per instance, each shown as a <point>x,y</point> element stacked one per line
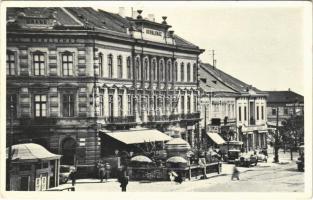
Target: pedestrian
<point>123,180</point>
<point>101,172</point>
<point>107,171</point>
<point>235,173</point>
<point>73,177</point>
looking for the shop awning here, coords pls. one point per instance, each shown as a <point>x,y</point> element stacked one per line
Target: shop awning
<point>139,136</point>
<point>216,138</point>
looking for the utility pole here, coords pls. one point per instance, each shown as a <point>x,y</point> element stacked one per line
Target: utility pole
<point>10,143</point>
<point>276,144</point>
<point>213,58</point>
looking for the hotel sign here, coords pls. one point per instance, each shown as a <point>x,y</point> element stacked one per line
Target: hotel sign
<point>154,32</point>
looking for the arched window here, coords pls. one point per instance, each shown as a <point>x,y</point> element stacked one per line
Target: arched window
<point>120,67</point>
<point>161,77</point>
<point>153,70</point>
<point>129,70</point>
<point>146,69</point>
<point>110,66</point>
<point>169,71</point>
<point>188,72</point>
<point>195,72</point>
<point>182,72</point>
<point>137,69</point>
<point>175,71</point>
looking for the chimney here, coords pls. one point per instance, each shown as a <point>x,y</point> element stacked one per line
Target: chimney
<point>134,14</point>
<point>289,90</point>
<point>121,11</point>
<point>151,17</point>
<point>139,14</point>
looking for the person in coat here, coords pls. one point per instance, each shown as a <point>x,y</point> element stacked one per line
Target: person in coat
<point>73,177</point>
<point>235,173</point>
<point>101,172</point>
<point>123,180</point>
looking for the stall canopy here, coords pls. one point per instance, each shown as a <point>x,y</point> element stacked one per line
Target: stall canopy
<point>139,136</point>
<point>31,152</point>
<point>216,138</point>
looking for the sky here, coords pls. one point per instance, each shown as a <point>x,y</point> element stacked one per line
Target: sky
<point>261,45</point>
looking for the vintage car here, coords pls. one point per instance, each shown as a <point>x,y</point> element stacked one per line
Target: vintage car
<point>300,161</point>
<point>65,171</point>
<point>246,160</point>
<point>233,154</point>
<point>261,157</point>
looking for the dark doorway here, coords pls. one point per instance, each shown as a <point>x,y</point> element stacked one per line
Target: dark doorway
<point>68,151</point>
<point>25,183</point>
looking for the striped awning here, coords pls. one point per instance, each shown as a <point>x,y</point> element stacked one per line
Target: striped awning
<point>139,136</point>
<point>216,138</point>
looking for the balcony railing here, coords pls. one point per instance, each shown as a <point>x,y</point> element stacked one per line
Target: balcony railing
<point>190,116</point>
<point>43,121</point>
<point>120,120</point>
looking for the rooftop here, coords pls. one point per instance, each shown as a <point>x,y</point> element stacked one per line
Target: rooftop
<point>287,96</point>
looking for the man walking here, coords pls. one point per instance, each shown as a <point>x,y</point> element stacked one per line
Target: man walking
<point>235,173</point>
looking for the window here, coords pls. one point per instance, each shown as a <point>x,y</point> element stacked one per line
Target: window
<point>101,105</point>
<point>188,72</point>
<point>100,65</point>
<point>285,111</point>
<point>120,67</point>
<point>111,106</point>
<point>239,112</point>
<point>245,113</point>
<point>138,69</point>
<point>67,64</point>
<point>40,105</point>
<point>39,64</point>
<point>120,105</point>
<point>11,101</point>
<point>130,106</point>
<point>195,103</point>
<point>146,70</point>
<point>110,66</point>
<point>175,72</point>
<point>10,63</point>
<point>161,78</point>
<point>273,111</point>
<point>262,112</point>
<point>154,70</point>
<point>182,72</point>
<point>129,70</point>
<point>257,113</point>
<point>182,104</point>
<point>68,105</point>
<point>169,67</point>
<point>188,104</point>
<point>195,72</point>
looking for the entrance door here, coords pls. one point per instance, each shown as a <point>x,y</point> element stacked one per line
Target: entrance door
<point>68,151</point>
<point>24,183</point>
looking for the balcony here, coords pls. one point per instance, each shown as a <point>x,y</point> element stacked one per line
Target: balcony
<point>191,116</point>
<point>27,122</point>
<point>121,120</point>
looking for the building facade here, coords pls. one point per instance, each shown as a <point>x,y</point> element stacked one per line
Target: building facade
<point>218,105</point>
<point>249,114</point>
<point>284,103</point>
<point>74,74</point>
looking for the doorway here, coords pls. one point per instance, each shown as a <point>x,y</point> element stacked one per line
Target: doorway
<point>68,151</point>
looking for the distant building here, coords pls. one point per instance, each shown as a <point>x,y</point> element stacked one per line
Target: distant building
<point>218,105</point>
<point>284,103</point>
<point>250,106</point>
<point>76,74</point>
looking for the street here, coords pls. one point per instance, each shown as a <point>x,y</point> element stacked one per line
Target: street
<point>265,177</point>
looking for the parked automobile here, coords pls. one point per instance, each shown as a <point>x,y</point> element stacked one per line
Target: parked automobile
<point>300,161</point>
<point>246,160</point>
<point>233,154</point>
<point>261,157</point>
<point>65,171</point>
